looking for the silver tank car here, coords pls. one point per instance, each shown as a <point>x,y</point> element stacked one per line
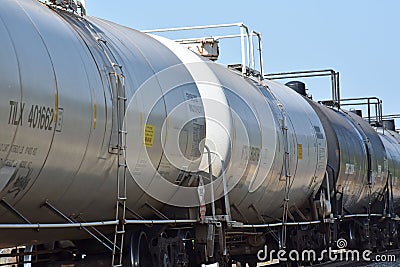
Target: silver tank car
<point>85,101</point>
<point>61,78</point>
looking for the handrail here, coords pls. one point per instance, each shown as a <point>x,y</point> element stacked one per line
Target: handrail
<point>368,101</point>
<point>254,33</point>
<point>231,36</point>
<point>224,182</point>
<point>210,173</point>
<point>188,28</point>
<point>244,34</point>
<point>335,84</point>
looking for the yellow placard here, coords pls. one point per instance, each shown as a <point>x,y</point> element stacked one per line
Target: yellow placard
<point>300,151</point>
<point>94,116</point>
<point>55,106</point>
<point>149,135</point>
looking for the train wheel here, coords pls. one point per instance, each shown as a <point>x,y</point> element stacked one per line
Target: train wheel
<point>190,250</point>
<point>28,258</point>
<point>138,254</point>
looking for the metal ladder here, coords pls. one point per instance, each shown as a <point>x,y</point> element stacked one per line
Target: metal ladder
<point>119,232</point>
<point>286,161</point>
<point>121,102</point>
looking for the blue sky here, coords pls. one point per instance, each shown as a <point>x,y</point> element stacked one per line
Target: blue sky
<point>360,39</point>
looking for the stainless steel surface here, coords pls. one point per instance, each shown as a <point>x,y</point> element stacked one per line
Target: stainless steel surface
<point>75,81</point>
<point>306,144</point>
<point>59,131</point>
<point>68,153</point>
<point>231,101</point>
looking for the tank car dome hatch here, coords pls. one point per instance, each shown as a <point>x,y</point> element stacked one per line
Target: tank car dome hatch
<point>297,86</point>
<point>357,111</point>
<point>389,125</point>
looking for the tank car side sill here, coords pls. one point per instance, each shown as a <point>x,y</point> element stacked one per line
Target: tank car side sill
<point>56,225</point>
<point>361,215</point>
<point>160,221</point>
<point>240,225</point>
<point>328,220</point>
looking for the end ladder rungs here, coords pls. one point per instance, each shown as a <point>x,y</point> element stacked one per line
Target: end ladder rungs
<point>122,131</point>
<point>120,232</point>
<point>122,165</point>
<point>122,198</point>
<point>122,98</point>
<point>118,265</point>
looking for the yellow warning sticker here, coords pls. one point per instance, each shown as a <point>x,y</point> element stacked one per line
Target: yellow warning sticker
<point>94,116</point>
<point>300,151</point>
<point>149,135</point>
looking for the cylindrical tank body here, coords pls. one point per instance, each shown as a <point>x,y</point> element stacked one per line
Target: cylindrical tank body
<point>391,141</point>
<point>60,126</point>
<point>302,136</point>
<point>357,158</point>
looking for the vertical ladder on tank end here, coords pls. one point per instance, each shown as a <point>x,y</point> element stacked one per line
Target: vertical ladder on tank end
<point>286,169</point>
<point>117,86</point>
<point>120,215</point>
